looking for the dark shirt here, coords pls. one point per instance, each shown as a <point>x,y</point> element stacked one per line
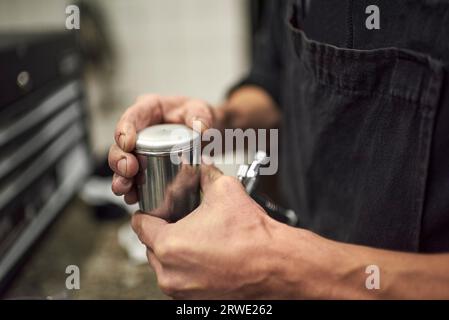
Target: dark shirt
<point>365,131</point>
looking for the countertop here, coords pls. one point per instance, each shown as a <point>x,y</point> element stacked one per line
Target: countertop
<point>77,238</point>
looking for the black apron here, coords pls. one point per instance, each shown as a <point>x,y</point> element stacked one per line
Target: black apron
<point>365,134</point>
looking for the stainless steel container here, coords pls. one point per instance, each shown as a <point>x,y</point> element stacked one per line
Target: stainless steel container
<point>169,170</point>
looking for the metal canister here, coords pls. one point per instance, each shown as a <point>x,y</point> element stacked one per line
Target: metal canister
<point>169,170</point>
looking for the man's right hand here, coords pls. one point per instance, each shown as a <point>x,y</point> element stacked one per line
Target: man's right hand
<point>146,111</point>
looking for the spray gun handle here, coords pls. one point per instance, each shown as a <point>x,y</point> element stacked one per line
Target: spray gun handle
<point>275,211</point>
<point>248,176</point>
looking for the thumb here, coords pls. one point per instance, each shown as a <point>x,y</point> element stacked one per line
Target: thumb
<point>209,174</point>
<point>147,227</point>
<point>197,115</point>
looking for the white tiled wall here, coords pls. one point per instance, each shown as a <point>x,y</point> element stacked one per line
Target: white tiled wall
<point>31,15</point>
<point>189,47</point>
<point>192,47</point>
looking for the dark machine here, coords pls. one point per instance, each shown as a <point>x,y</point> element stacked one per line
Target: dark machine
<point>44,153</point>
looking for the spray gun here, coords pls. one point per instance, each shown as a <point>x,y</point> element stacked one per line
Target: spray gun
<point>248,176</point>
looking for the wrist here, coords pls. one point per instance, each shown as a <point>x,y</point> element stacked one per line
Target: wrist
<point>307,266</point>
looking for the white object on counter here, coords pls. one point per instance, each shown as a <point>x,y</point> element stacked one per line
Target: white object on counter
<point>129,241</point>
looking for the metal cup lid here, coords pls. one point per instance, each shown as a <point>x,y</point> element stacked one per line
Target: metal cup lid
<point>166,138</point>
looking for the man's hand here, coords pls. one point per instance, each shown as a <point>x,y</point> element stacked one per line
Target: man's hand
<point>221,250</point>
<point>228,248</point>
<point>149,110</point>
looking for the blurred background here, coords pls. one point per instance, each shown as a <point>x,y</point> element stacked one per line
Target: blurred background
<point>61,94</point>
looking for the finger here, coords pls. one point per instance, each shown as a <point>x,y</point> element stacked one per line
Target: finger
<point>148,110</point>
<point>131,197</point>
<point>154,262</point>
<point>147,227</point>
<point>197,110</point>
<point>209,174</point>
<point>121,185</point>
<point>122,163</point>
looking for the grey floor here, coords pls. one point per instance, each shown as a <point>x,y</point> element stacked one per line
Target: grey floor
<point>77,238</point>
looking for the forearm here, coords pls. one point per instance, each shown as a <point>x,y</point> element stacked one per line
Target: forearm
<point>316,268</point>
<point>402,275</point>
<point>248,107</point>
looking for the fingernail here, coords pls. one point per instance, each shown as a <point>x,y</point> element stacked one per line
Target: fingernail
<point>124,181</point>
<point>207,160</point>
<point>122,141</point>
<point>199,123</point>
<point>117,193</point>
<point>121,166</point>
